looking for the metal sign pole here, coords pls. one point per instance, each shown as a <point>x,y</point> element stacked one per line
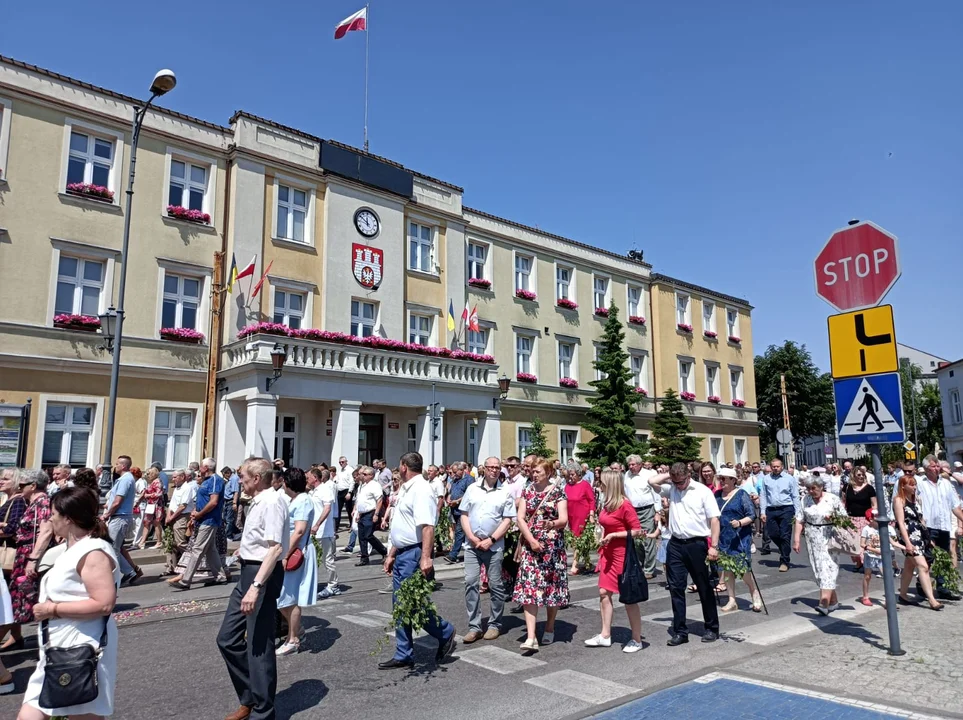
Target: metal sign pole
<point>886,552</point>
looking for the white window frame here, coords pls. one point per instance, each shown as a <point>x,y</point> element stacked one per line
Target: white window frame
<point>419,332</point>
<point>86,252</point>
<point>956,408</point>
<point>197,427</point>
<point>486,331</point>
<point>280,435</point>
<point>179,299</point>
<point>599,375</point>
<point>523,450</point>
<point>573,360</point>
<point>294,184</point>
<point>432,245</point>
<point>66,433</point>
<point>531,270</point>
<point>79,283</point>
<point>687,380</point>
<point>561,447</point>
<point>210,164</point>
<point>737,387</point>
<point>639,303</point>
<point>360,319</point>
<point>117,138</point>
<point>284,309</point>
<point>713,387</point>
<point>686,315</point>
<point>200,272</point>
<point>297,287</point>
<point>6,111</point>
<point>740,457</point>
<point>411,437</point>
<point>471,262</point>
<point>96,432</point>
<point>642,376</point>
<point>532,336</point>
<point>606,296</point>
<point>569,286</point>
<point>732,330</point>
<point>708,319</point>
<point>718,459</point>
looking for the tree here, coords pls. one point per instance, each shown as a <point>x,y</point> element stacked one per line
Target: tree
<point>611,417</point>
<point>809,393</point>
<point>922,403</point>
<point>538,446</point>
<point>671,441</point>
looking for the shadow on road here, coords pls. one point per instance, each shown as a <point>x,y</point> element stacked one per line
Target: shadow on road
<point>300,696</point>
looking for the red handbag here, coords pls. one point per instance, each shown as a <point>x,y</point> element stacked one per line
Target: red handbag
<point>295,560</point>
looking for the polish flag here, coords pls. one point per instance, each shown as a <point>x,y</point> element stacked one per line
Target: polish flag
<point>473,319</point>
<point>466,313</point>
<point>248,270</point>
<point>358,21</point>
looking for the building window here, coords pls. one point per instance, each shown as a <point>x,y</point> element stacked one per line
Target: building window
<point>682,316</point>
<point>708,316</point>
<point>524,347</point>
<point>173,430</point>
<point>567,439</point>
<point>472,444</point>
<point>635,301</point>
<point>182,295</point>
<point>412,437</point>
<point>599,374</point>
<point>292,213</point>
<point>478,341</point>
<point>955,406</point>
<point>362,318</point>
<point>637,367</point>
<point>732,322</point>
<point>685,376</point>
<point>188,185</point>
<point>288,308</point>
<point>712,380</point>
<point>66,435</point>
<point>4,136</point>
<point>739,445</point>
<point>523,272</point>
<point>420,247</point>
<point>80,285</point>
<point>715,452</point>
<point>600,292</point>
<point>285,438</point>
<point>563,282</point>
<point>735,383</point>
<point>477,254</point>
<point>419,329</point>
<point>524,441</point>
<point>566,355</point>
<point>90,160</point>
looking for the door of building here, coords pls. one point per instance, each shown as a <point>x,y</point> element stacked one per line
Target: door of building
<point>371,437</point>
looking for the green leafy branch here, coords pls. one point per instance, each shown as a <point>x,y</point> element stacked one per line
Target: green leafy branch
<point>582,545</point>
<point>841,520</point>
<point>413,607</point>
<point>169,545</point>
<point>318,552</point>
<point>735,564</point>
<point>443,526</point>
<point>942,568</point>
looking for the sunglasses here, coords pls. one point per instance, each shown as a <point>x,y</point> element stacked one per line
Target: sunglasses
<point>511,465</point>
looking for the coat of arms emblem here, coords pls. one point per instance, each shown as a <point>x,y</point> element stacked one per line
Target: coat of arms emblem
<point>366,264</point>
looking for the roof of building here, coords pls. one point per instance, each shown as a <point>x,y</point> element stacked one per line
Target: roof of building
<point>945,365</point>
<point>520,226</point>
<point>659,277</point>
<point>109,93</point>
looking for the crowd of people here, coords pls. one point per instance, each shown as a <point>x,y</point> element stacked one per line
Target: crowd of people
<point>512,522</point>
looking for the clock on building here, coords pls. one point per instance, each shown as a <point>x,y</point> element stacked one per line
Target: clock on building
<point>367,222</point>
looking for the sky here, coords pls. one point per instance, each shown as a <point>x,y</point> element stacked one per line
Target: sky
<point>726,140</point>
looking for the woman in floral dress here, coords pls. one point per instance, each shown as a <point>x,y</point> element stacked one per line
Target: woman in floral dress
<point>915,536</point>
<point>543,574</point>
<point>815,512</point>
<point>25,590</point>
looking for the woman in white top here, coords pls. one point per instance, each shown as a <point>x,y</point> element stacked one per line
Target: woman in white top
<point>77,597</point>
<point>6,618</point>
<point>814,517</point>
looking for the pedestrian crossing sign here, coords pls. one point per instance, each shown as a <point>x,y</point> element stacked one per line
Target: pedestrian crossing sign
<point>869,409</point>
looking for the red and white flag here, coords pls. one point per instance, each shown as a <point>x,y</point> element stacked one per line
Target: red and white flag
<point>358,21</point>
<point>473,320</point>
<point>260,283</point>
<point>248,270</point>
<point>466,313</point>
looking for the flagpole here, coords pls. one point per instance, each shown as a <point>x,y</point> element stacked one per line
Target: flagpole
<point>367,31</point>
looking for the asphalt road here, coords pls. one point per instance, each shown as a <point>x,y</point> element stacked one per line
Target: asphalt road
<point>170,668</point>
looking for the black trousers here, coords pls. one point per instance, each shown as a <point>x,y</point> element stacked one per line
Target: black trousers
<point>689,557</point>
<point>779,522</point>
<point>366,535</point>
<point>343,504</point>
<point>246,642</point>
<point>941,538</point>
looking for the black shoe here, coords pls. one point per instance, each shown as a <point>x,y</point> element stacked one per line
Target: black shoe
<point>361,563</point>
<point>180,586</point>
<point>677,640</point>
<point>947,595</point>
<point>765,551</point>
<point>394,664</point>
<point>517,610</point>
<point>450,561</point>
<point>710,636</point>
<point>446,648</point>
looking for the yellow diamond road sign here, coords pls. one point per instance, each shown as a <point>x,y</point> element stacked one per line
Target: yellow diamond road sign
<point>863,342</point>
<point>910,447</point>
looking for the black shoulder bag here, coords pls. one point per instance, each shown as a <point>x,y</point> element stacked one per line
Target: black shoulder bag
<point>70,674</point>
<point>633,587</point>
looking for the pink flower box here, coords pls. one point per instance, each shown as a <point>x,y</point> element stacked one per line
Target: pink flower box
<point>525,295</point>
<point>184,335</point>
<point>690,396</point>
<point>684,327</point>
<point>526,378</point>
<point>566,304</point>
<point>641,391</point>
<point>480,283</point>
<point>568,382</point>
<point>735,339</point>
<point>602,312</point>
<point>714,399</point>
<point>710,333</point>
<point>636,320</point>
<point>264,328</point>
<point>183,213</point>
<point>739,403</point>
<point>97,192</point>
<point>77,322</point>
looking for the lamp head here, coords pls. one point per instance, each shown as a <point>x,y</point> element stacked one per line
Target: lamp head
<point>504,382</point>
<point>164,82</point>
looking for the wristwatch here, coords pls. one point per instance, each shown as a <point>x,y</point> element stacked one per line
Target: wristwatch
<point>257,584</point>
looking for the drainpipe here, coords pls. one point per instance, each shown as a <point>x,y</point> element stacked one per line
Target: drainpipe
<point>655,373</point>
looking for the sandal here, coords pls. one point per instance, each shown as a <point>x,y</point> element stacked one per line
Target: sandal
<point>757,603</point>
<point>721,588</point>
<point>729,606</point>
<point>692,589</point>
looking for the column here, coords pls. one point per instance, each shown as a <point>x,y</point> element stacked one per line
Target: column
<point>432,449</point>
<point>260,426</point>
<point>344,424</point>
<point>489,435</point>
<point>229,446</point>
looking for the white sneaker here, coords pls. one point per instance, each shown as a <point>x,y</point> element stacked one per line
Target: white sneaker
<point>631,647</point>
<point>548,638</point>
<point>287,649</point>
<point>832,608</point>
<point>601,641</point>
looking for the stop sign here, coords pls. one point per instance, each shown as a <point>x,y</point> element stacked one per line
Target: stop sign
<point>857,267</point>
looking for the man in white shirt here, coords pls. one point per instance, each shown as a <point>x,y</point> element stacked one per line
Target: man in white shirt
<point>643,499</point>
<point>325,499</point>
<point>487,510</point>
<point>345,485</point>
<point>939,503</point>
<point>694,524</point>
<point>178,516</point>
<point>246,637</point>
<point>412,537</point>
<point>368,504</point>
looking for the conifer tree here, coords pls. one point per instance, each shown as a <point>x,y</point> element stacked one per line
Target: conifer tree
<point>671,441</point>
<point>539,446</point>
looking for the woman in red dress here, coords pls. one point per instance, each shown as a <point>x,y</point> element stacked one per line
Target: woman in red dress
<point>581,505</point>
<point>618,520</point>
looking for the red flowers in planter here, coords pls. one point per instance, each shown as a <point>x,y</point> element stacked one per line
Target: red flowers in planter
<point>480,283</point>
<point>526,378</point>
<point>264,328</point>
<point>641,391</point>
<point>685,395</point>
<point>739,403</point>
<point>602,311</point>
<point>735,339</point>
<point>710,333</point>
<point>185,335</point>
<point>568,382</point>
<point>636,320</point>
<point>714,399</point>
<point>525,295</point>
<point>98,192</point>
<point>183,213</point>
<point>566,304</point>
<point>77,322</point>
<point>684,327</point>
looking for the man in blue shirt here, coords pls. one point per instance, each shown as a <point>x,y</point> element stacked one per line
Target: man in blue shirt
<point>778,503</point>
<point>460,480</point>
<point>232,489</point>
<point>207,519</point>
<point>119,514</point>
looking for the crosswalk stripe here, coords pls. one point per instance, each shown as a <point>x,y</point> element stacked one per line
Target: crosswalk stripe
<point>776,631</point>
<point>499,660</point>
<point>377,613</point>
<point>655,593</point>
<point>580,686</point>
<point>363,620</point>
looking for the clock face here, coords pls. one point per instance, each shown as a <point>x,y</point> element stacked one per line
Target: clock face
<point>367,223</point>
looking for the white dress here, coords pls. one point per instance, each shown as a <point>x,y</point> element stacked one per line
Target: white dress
<point>6,609</point>
<point>63,584</point>
<point>818,531</point>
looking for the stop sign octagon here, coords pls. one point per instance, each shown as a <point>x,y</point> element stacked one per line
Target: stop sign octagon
<point>857,267</point>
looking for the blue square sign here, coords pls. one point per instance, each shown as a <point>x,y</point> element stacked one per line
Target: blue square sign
<point>869,409</point>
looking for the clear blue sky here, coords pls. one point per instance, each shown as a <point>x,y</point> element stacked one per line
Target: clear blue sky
<point>725,139</point>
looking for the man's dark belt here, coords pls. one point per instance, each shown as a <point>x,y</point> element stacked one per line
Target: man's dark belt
<point>406,548</point>
<point>245,563</point>
<point>778,507</point>
<point>688,540</point>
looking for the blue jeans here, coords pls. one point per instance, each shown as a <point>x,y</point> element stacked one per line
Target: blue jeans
<point>406,565</point>
<point>459,537</point>
<point>117,529</point>
<point>492,560</point>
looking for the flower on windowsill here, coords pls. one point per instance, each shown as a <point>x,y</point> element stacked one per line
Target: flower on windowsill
<point>98,192</point>
<point>735,339</point>
<point>739,403</point>
<point>525,295</point>
<point>710,333</point>
<point>263,328</point>
<point>526,378</point>
<point>602,311</point>
<point>641,392</point>
<point>77,322</point>
<point>566,304</point>
<point>480,283</point>
<point>685,395</point>
<point>568,382</point>
<point>182,213</point>
<point>185,335</point>
<point>714,399</point>
<point>684,327</point>
<point>636,320</point>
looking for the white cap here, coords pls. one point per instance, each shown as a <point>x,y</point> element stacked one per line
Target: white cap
<point>958,464</point>
<point>726,472</point>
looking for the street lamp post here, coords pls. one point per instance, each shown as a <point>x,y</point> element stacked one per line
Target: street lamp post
<point>164,81</point>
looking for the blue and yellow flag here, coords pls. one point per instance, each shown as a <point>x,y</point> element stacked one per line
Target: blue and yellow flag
<point>451,315</point>
<point>232,275</point>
